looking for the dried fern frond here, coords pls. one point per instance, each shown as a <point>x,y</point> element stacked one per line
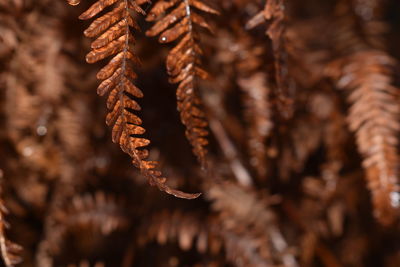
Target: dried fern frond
<point>274,10</point>
<point>258,115</point>
<point>245,216</point>
<point>187,229</point>
<point>244,250</point>
<point>114,38</point>
<point>9,250</point>
<point>251,78</point>
<point>54,229</point>
<point>274,14</point>
<point>99,211</point>
<point>178,20</point>
<point>374,117</point>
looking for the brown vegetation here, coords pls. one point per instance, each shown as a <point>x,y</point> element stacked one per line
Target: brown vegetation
<point>274,128</point>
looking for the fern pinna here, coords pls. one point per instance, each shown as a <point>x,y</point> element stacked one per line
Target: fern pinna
<point>114,38</point>
<point>177,19</point>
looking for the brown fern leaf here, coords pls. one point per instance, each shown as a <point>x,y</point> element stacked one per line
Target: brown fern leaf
<point>274,10</point>
<point>113,39</point>
<point>258,115</point>
<point>98,212</point>
<point>274,13</point>
<point>9,250</point>
<point>177,20</point>
<point>187,229</point>
<point>256,100</point>
<point>249,226</point>
<point>374,117</point>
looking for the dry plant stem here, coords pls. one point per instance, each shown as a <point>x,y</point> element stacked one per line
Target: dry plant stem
<point>274,10</point>
<point>281,246</point>
<point>241,173</point>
